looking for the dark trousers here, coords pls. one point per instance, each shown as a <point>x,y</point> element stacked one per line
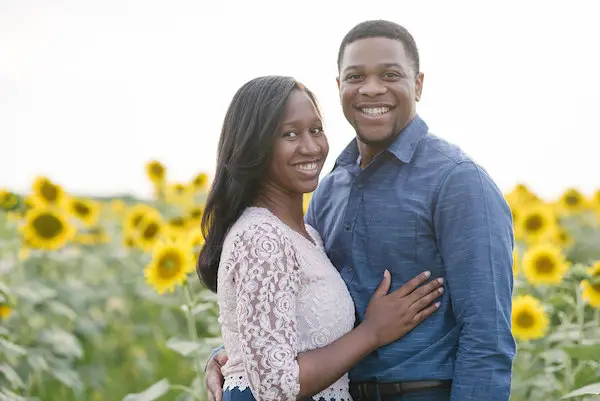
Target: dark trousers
<point>434,394</point>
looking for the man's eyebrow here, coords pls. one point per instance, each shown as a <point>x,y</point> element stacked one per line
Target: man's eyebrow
<point>385,65</point>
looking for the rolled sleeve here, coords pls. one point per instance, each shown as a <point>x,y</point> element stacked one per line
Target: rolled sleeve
<point>475,237</point>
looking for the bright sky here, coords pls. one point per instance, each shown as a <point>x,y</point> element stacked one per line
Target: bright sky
<point>91,90</point>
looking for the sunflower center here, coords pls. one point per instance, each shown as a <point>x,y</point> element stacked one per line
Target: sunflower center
<point>180,189</point>
<point>137,219</point>
<point>572,200</point>
<point>49,191</point>
<point>48,226</point>
<point>150,231</point>
<point>525,320</point>
<point>177,222</point>
<point>196,214</point>
<point>544,265</point>
<point>157,170</point>
<point>169,265</point>
<point>81,209</point>
<point>534,223</point>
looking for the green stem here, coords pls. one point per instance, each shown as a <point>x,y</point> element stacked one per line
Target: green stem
<point>191,324</point>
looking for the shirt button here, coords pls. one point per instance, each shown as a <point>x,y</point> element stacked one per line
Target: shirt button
<point>347,226</point>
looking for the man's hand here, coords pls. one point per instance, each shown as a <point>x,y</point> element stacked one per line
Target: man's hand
<point>213,377</point>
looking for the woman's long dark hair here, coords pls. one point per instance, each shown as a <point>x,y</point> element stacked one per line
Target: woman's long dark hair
<point>245,147</point>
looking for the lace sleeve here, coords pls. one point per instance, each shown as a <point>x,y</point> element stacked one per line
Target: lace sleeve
<point>267,278</point>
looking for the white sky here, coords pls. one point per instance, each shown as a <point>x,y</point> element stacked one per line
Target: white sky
<point>91,90</point>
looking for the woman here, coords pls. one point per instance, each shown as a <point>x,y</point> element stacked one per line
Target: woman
<point>286,315</point>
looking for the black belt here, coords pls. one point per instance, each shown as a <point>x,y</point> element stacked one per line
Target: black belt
<point>367,390</point>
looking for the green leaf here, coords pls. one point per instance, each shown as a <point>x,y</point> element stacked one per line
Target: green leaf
<point>6,395</point>
<point>592,389</point>
<point>37,362</point>
<point>585,374</point>
<point>62,342</point>
<point>202,308</point>
<point>12,376</point>
<point>584,352</point>
<point>11,348</point>
<point>183,347</point>
<point>61,309</point>
<point>68,377</point>
<point>153,392</point>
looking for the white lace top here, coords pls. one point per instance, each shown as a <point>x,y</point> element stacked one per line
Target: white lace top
<point>279,295</point>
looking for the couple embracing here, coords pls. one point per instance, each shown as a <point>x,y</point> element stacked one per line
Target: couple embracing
<point>395,285</point>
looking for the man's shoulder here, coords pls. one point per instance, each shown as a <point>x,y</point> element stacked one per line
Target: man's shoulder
<point>441,152</point>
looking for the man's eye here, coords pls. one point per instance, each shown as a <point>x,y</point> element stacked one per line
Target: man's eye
<point>290,134</point>
<point>391,75</point>
<point>353,77</point>
<point>316,131</point>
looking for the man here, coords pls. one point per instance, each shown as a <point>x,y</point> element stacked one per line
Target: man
<point>403,199</point>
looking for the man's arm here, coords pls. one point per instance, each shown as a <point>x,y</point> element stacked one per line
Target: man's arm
<point>475,236</point>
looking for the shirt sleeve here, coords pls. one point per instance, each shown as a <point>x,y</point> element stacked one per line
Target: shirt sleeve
<point>475,237</point>
<point>267,278</point>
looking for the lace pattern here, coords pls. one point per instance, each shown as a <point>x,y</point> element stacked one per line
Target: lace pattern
<point>278,295</point>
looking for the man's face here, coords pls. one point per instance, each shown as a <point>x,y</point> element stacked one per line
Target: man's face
<point>379,88</point>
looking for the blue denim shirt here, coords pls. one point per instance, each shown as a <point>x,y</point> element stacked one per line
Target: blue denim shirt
<point>421,205</point>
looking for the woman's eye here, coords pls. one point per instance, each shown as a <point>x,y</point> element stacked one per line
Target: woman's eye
<point>290,134</point>
<point>316,131</point>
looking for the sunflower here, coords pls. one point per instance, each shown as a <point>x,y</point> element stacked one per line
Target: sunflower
<point>5,311</point>
<point>8,200</point>
<point>46,228</point>
<point>521,194</point>
<point>515,262</point>
<point>571,201</point>
<point>305,201</point>
<point>118,206</point>
<point>179,194</point>
<point>176,227</point>
<point>591,291</point>
<point>194,215</point>
<point>150,231</point>
<point>544,264</point>
<point>529,321</point>
<point>196,241</point>
<point>129,241</point>
<point>137,214</point>
<point>85,210</point>
<point>170,265</point>
<point>200,182</point>
<point>47,193</point>
<point>156,172</point>
<point>536,222</point>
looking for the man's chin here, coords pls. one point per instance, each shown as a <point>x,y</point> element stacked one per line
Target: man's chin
<point>379,140</point>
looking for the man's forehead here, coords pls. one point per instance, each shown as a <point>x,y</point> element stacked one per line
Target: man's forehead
<point>370,52</point>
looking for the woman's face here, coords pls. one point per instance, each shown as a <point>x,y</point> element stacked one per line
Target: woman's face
<point>300,147</point>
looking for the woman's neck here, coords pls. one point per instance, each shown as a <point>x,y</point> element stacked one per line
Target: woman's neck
<point>286,206</point>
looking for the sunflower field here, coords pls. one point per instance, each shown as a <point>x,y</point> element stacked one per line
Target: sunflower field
<point>99,300</point>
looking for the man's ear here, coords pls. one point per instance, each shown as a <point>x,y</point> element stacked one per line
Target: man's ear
<point>337,79</point>
<point>419,86</point>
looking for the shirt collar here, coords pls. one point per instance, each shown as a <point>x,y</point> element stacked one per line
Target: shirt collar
<point>403,147</point>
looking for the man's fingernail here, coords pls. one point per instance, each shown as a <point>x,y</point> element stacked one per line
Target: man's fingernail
<point>440,280</point>
<point>427,274</point>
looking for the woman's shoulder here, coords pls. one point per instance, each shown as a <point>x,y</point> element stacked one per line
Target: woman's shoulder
<point>252,225</point>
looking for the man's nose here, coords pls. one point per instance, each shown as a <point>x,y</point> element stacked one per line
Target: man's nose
<point>372,86</point>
